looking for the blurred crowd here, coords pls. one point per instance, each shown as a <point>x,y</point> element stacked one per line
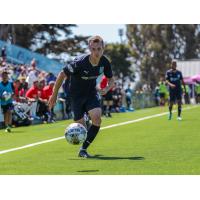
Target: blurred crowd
<point>31,91</point>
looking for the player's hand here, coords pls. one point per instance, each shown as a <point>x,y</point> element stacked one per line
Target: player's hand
<point>52,101</point>
<point>172,86</point>
<point>103,91</point>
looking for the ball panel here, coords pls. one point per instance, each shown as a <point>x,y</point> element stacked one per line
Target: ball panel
<point>75,133</point>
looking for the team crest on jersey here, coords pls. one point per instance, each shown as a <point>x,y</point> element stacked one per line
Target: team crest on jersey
<point>101,69</point>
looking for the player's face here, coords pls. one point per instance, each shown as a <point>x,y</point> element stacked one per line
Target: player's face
<point>4,77</point>
<point>96,49</point>
<point>174,65</point>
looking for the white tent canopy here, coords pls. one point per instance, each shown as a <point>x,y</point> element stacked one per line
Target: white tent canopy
<point>189,68</point>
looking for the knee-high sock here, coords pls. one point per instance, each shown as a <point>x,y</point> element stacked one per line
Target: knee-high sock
<point>170,108</point>
<point>92,133</point>
<point>179,111</point>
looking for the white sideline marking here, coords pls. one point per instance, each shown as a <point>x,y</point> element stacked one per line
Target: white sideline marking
<point>106,127</point>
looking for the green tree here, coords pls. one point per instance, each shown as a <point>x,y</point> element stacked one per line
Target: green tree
<point>45,38</point>
<point>119,54</point>
<point>154,46</point>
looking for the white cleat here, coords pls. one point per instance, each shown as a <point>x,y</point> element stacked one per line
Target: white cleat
<point>179,118</point>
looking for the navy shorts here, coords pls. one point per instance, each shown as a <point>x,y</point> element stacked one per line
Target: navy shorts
<point>175,95</point>
<point>108,96</point>
<point>7,107</point>
<point>84,104</point>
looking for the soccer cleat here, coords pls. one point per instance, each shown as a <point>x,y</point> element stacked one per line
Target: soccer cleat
<point>179,118</point>
<point>8,130</point>
<point>170,116</point>
<point>84,154</point>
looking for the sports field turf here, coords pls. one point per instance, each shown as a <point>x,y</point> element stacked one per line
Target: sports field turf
<point>151,146</point>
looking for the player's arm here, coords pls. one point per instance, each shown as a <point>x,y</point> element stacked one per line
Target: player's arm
<point>168,82</point>
<point>108,73</point>
<point>58,83</point>
<point>183,83</point>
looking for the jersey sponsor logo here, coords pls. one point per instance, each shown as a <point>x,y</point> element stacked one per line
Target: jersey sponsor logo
<point>89,78</point>
<point>174,79</point>
<point>86,72</point>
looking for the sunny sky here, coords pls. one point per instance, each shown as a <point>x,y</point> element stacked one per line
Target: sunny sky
<point>109,32</point>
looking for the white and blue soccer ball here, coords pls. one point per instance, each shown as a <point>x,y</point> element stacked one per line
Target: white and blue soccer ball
<point>6,95</point>
<point>75,133</point>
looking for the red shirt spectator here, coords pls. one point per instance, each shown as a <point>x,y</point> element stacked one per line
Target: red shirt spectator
<point>104,83</point>
<point>48,90</point>
<point>32,93</point>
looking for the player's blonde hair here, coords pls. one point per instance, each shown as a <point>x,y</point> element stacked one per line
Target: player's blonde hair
<point>96,39</point>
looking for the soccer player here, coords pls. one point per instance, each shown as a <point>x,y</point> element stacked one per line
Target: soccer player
<point>162,91</point>
<point>83,72</point>
<point>174,79</point>
<point>6,94</point>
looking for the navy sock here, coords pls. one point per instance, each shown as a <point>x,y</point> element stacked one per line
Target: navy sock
<point>179,111</point>
<point>170,109</point>
<point>92,133</point>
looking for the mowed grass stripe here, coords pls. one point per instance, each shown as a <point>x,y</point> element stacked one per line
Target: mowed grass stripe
<point>110,126</point>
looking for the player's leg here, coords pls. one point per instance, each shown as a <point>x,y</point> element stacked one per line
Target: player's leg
<point>7,118</point>
<point>95,115</point>
<point>78,110</point>
<point>94,110</point>
<point>179,102</point>
<point>171,103</point>
<point>110,103</point>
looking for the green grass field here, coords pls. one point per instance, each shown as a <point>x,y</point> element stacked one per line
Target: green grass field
<point>152,146</point>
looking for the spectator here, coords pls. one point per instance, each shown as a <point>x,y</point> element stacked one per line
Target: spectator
<point>50,77</point>
<point>48,90</point>
<point>3,54</point>
<point>157,96</point>
<point>162,91</point>
<point>107,98</point>
<point>17,90</point>
<point>64,98</point>
<point>30,78</point>
<point>129,93</point>
<point>197,92</point>
<point>42,107</point>
<point>6,94</point>
<point>32,95</point>
<point>186,94</point>
<point>117,97</point>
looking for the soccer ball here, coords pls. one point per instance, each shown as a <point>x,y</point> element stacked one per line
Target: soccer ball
<point>6,95</point>
<point>75,133</point>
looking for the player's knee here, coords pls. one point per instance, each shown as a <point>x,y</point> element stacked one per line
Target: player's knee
<point>96,120</point>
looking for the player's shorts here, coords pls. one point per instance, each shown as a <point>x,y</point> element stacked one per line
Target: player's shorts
<point>162,95</point>
<point>175,95</point>
<point>7,107</point>
<point>108,96</point>
<point>84,104</point>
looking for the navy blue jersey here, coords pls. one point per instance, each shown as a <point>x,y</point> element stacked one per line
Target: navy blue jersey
<point>174,77</point>
<point>83,75</point>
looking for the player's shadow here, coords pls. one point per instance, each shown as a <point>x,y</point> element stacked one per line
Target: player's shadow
<point>86,171</point>
<point>101,157</point>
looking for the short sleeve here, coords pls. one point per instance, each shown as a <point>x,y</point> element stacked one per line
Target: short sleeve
<point>167,76</point>
<point>181,76</point>
<point>107,69</point>
<point>71,68</point>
